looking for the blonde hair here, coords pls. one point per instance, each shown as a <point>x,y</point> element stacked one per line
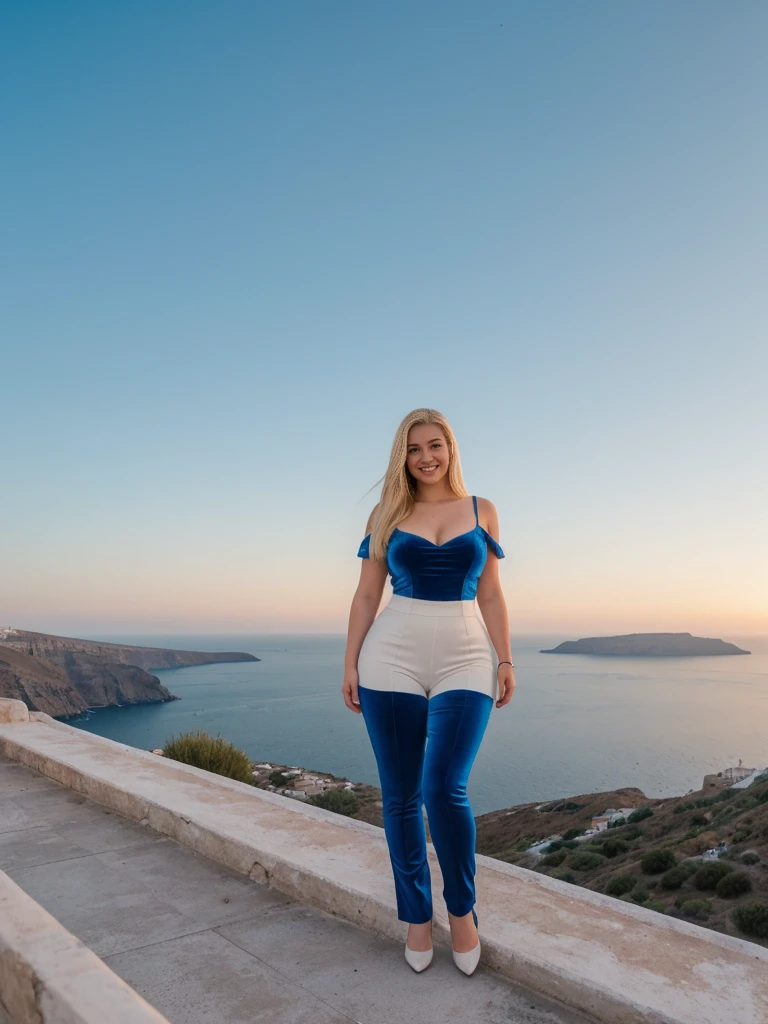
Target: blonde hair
<point>399,490</point>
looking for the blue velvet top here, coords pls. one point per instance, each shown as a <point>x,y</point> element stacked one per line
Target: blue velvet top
<point>437,572</point>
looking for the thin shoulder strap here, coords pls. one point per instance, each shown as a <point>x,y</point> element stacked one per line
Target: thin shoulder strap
<point>474,502</point>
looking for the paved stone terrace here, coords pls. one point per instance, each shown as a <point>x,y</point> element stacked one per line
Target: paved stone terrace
<point>206,946</point>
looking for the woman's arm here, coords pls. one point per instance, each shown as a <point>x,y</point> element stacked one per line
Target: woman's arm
<point>365,604</point>
<point>493,607</point>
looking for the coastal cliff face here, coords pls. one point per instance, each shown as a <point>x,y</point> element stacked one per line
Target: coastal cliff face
<point>42,686</point>
<point>65,675</point>
<point>56,648</point>
<point>647,645</point>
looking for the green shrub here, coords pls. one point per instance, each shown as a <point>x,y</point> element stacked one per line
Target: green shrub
<point>585,861</point>
<point>724,794</point>
<point>629,832</point>
<point>710,874</point>
<point>656,905</point>
<point>639,894</point>
<point>214,754</point>
<point>699,819</point>
<point>553,846</point>
<point>752,919</point>
<point>674,878</point>
<point>570,844</point>
<point>640,814</point>
<point>341,801</point>
<point>621,884</point>
<point>741,836</point>
<point>554,860</point>
<point>696,908</point>
<point>564,876</point>
<point>656,861</point>
<point>735,883</point>
<point>278,779</point>
<point>615,847</point>
<point>750,857</point>
<point>573,832</point>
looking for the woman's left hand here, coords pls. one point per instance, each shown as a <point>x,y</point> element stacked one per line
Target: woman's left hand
<point>506,678</point>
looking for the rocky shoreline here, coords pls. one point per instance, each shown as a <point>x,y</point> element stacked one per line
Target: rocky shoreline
<point>63,676</point>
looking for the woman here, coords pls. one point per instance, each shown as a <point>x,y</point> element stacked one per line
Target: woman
<point>428,668</point>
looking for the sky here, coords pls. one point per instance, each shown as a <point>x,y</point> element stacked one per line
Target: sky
<point>242,241</point>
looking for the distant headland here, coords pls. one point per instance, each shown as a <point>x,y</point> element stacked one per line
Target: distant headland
<point>648,645</point>
<point>63,676</point>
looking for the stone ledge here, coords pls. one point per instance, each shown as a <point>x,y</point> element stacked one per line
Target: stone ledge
<point>47,976</point>
<point>13,711</point>
<point>618,963</point>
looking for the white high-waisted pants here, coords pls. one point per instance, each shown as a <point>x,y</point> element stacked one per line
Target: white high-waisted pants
<point>427,648</point>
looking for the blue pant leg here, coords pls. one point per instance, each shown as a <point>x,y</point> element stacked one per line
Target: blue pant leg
<point>456,724</point>
<point>397,724</point>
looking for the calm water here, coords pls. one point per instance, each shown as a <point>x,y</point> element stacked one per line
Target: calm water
<point>576,723</point>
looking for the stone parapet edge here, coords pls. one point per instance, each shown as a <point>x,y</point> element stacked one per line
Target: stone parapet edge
<point>48,976</point>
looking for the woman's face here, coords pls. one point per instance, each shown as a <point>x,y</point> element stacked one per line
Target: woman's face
<point>427,455</point>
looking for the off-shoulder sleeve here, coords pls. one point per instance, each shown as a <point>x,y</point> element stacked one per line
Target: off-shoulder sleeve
<point>363,550</point>
<point>493,544</point>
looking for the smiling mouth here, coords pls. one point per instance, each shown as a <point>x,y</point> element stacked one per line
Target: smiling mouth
<point>428,469</point>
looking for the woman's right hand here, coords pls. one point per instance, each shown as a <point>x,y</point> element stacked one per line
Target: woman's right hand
<point>349,690</point>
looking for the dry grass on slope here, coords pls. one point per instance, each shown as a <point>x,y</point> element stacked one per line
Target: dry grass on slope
<point>650,862</point>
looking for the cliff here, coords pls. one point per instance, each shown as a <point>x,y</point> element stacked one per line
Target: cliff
<point>65,675</point>
<point>42,686</point>
<point>647,645</point>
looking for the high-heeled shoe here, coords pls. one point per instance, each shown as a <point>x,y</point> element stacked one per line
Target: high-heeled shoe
<point>467,962</point>
<point>418,958</point>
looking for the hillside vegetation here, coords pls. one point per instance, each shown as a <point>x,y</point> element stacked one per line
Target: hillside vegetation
<point>652,859</point>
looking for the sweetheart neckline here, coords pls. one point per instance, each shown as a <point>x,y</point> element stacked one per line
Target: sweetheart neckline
<point>450,541</point>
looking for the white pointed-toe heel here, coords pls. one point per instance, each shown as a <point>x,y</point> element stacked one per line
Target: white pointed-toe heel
<point>467,962</point>
<point>418,958</point>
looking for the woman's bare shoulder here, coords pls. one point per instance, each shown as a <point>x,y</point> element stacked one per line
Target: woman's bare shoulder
<point>487,514</point>
<point>485,505</point>
<point>372,517</point>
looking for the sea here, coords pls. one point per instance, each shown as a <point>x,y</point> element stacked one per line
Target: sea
<point>576,724</point>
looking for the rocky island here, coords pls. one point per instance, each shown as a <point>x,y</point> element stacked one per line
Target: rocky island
<point>63,676</point>
<point>659,645</point>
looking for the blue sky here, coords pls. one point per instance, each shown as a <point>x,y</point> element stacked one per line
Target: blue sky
<point>246,239</point>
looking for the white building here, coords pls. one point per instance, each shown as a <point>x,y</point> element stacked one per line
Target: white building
<point>747,780</point>
<point>737,773</point>
<point>611,815</point>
